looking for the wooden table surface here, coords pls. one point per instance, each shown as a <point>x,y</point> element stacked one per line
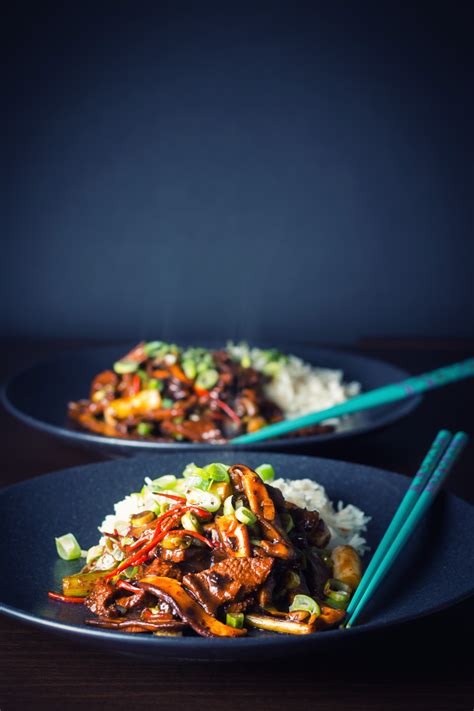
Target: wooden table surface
<point>419,665</point>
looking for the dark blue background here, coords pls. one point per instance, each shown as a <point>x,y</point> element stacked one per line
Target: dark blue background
<point>278,172</point>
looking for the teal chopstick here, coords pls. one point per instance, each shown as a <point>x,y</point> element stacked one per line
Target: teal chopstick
<point>424,502</point>
<point>373,398</point>
<point>426,469</point>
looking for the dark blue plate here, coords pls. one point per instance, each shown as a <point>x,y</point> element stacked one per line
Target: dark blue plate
<point>39,396</point>
<point>433,572</point>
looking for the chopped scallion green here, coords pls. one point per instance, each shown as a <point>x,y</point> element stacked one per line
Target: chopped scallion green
<point>217,472</point>
<point>144,429</point>
<point>338,593</point>
<point>207,379</point>
<point>245,515</point>
<point>235,619</point>
<point>228,506</point>
<point>125,366</point>
<point>167,481</point>
<point>190,522</point>
<point>67,547</point>
<point>204,499</point>
<point>266,472</point>
<point>305,603</point>
<point>189,368</point>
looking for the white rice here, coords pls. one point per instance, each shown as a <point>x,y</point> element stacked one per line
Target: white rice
<point>346,523</point>
<point>297,387</point>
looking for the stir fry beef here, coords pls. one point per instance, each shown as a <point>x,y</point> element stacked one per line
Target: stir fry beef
<point>232,579</point>
<point>203,578</point>
<point>162,393</point>
<point>165,569</point>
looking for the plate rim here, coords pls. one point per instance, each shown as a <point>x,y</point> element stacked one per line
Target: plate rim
<point>404,408</point>
<point>185,645</point>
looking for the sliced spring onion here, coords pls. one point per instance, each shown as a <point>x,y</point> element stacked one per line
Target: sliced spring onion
<point>217,472</point>
<point>197,482</point>
<point>244,515</point>
<point>228,506</point>
<point>266,472</point>
<point>151,347</point>
<point>167,403</point>
<point>287,521</point>
<point>154,384</point>
<point>67,547</point>
<point>189,369</point>
<point>306,604</point>
<point>204,363</point>
<point>167,481</point>
<point>337,592</point>
<point>245,361</point>
<point>172,541</point>
<point>204,499</point>
<point>235,619</point>
<point>207,379</point>
<point>190,522</point>
<point>93,553</point>
<point>193,470</point>
<point>336,604</point>
<point>125,366</point>
<point>141,518</point>
<point>130,572</point>
<point>144,428</point>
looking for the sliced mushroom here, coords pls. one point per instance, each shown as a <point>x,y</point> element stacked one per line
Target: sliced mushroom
<point>256,492</point>
<point>186,608</point>
<point>234,537</point>
<point>130,625</point>
<point>329,617</point>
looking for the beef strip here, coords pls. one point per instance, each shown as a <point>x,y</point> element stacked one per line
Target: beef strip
<point>163,568</point>
<point>100,601</point>
<point>236,607</point>
<point>231,579</point>
<point>309,526</point>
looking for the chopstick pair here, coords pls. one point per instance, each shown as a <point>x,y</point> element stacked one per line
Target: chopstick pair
<point>433,471</point>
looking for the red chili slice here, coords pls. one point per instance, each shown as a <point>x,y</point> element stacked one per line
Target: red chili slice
<point>229,411</point>
<point>65,598</point>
